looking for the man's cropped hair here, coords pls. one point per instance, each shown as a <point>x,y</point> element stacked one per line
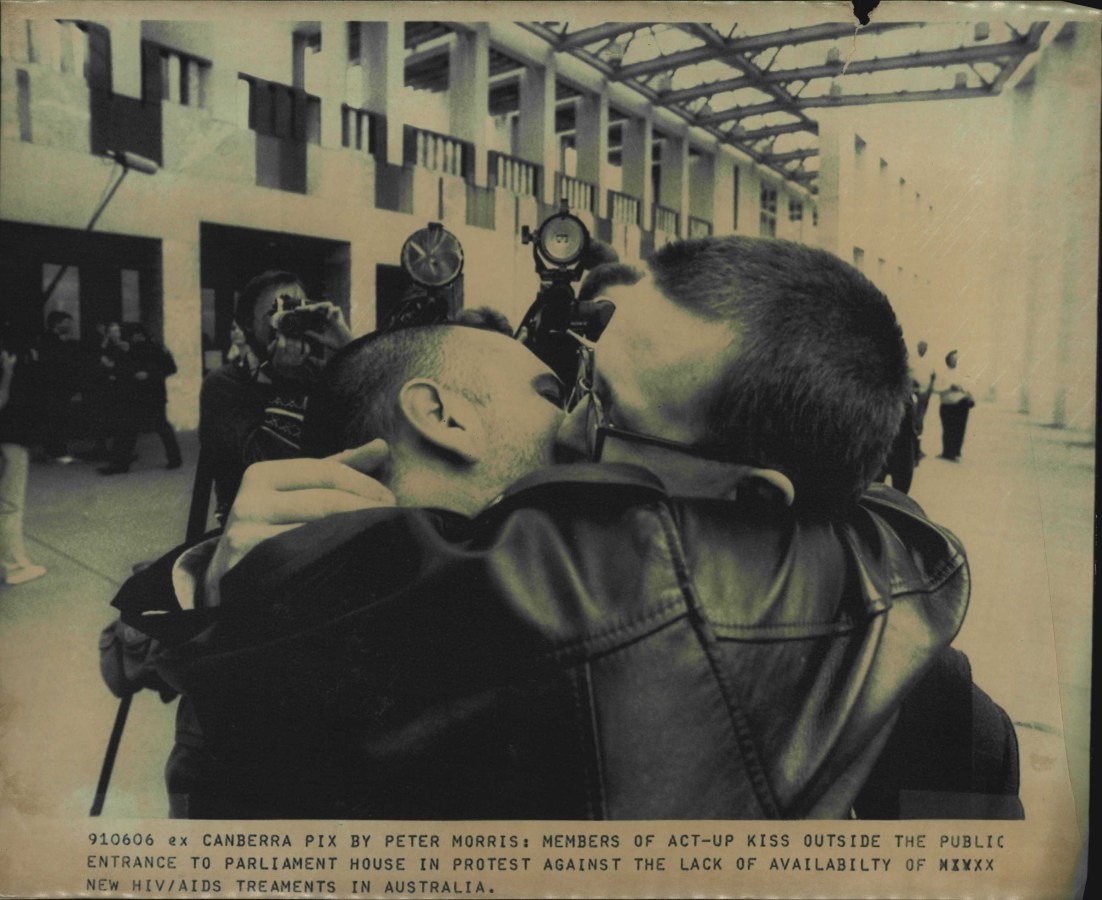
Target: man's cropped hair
<point>605,276</point>
<point>817,374</point>
<point>54,317</point>
<point>244,310</point>
<point>484,317</point>
<point>357,397</point>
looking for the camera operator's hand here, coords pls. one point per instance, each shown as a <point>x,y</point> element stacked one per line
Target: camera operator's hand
<point>281,495</point>
<point>288,356</point>
<point>336,333</point>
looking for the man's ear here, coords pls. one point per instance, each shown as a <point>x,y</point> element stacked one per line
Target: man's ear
<point>441,418</point>
<point>766,482</point>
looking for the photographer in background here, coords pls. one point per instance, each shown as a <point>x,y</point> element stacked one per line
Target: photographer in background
<point>140,386</point>
<point>248,415</point>
<point>57,381</point>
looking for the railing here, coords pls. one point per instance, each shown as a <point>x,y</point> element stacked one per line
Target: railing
<point>171,75</point>
<point>699,227</point>
<point>666,219</point>
<point>623,208</point>
<point>514,174</point>
<point>359,129</point>
<point>579,194</point>
<point>279,110</point>
<point>438,152</point>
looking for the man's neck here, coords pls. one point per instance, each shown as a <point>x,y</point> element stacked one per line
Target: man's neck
<point>415,481</point>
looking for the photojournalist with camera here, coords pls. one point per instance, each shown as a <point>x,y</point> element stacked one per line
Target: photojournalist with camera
<point>720,619</point>
<point>249,414</point>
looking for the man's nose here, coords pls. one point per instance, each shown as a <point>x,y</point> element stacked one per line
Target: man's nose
<point>570,443</point>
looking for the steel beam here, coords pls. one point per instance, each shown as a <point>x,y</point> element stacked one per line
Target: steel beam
<point>744,112</point>
<point>897,97</point>
<point>917,60</point>
<point>827,101</point>
<point>791,155</point>
<point>705,90</point>
<point>735,47</point>
<point>1034,38</point>
<point>772,130</point>
<point>597,33</point>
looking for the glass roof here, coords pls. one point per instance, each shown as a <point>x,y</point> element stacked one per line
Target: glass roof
<point>759,90</point>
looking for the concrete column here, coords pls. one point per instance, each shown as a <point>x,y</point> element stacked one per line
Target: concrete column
<point>702,188</point>
<point>382,49</point>
<point>469,93</point>
<point>637,157</point>
<point>674,183</point>
<point>334,63</point>
<point>591,141</point>
<point>183,310</point>
<point>221,87</point>
<point>126,57</point>
<point>536,139</point>
<point>830,177</point>
<point>749,200</point>
<point>723,193</point>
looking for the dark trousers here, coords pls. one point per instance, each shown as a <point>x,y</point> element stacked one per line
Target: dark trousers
<point>56,426</point>
<point>126,437</point>
<point>954,420</point>
<point>903,457</point>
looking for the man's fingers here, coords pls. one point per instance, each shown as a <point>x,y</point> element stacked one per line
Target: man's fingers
<point>367,458</point>
<point>300,474</point>
<point>307,505</point>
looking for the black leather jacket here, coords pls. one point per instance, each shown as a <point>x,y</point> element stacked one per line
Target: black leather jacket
<point>587,647</point>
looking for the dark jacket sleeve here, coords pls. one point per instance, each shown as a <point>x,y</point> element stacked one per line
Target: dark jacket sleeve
<point>150,618</point>
<point>236,428</point>
<point>147,602</point>
<point>953,754</point>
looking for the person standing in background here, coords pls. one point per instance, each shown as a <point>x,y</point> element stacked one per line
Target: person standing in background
<point>58,373</point>
<point>112,349</point>
<point>15,567</point>
<point>924,377</point>
<point>141,398</point>
<point>93,395</point>
<point>240,354</point>
<point>956,401</point>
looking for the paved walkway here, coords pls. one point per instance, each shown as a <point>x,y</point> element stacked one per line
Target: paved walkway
<point>1022,501</point>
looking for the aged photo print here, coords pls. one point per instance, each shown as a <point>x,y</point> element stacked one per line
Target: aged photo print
<point>672,444</point>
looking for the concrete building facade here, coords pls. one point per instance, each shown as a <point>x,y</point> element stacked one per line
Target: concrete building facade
<point>321,146</point>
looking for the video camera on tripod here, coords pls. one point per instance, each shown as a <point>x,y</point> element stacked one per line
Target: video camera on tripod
<point>562,251</point>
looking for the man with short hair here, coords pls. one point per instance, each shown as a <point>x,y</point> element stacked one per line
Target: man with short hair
<point>58,383</point>
<point>140,385</point>
<point>466,412</point>
<point>696,628</point>
<point>955,401</point>
<point>765,352</point>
